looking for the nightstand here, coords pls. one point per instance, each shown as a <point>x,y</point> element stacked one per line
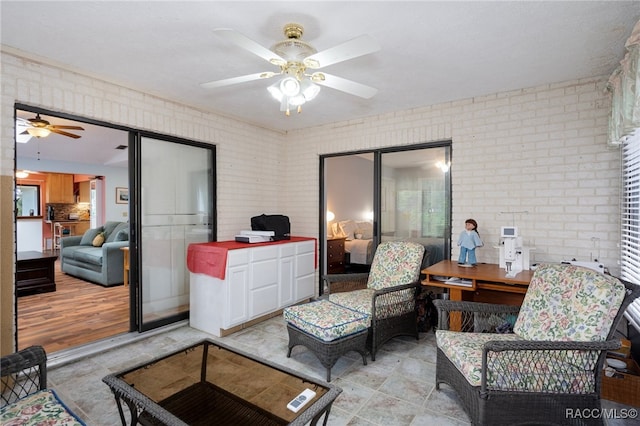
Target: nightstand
<point>335,256</point>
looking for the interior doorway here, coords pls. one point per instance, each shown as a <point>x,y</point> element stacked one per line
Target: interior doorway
<point>77,167</point>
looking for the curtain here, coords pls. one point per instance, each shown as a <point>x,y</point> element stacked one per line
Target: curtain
<point>624,85</point>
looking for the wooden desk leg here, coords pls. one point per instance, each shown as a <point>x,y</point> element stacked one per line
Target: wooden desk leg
<point>455,318</point>
<point>126,267</point>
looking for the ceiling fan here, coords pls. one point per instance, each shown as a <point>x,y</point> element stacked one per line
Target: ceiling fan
<point>41,128</point>
<point>295,58</point>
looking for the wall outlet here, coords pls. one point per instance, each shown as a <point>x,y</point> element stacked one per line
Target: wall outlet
<point>125,214</point>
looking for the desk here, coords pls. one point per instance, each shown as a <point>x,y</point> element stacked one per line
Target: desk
<point>489,282</point>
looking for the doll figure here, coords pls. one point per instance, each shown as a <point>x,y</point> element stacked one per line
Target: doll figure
<point>468,241</point>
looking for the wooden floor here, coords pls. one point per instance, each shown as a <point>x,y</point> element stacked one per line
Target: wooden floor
<point>78,312</point>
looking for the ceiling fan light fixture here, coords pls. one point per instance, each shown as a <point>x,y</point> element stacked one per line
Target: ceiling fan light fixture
<point>274,91</point>
<point>39,132</point>
<point>309,90</point>
<point>290,86</point>
<point>297,100</point>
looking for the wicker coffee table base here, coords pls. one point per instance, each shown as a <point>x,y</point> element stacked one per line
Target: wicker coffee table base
<point>328,352</point>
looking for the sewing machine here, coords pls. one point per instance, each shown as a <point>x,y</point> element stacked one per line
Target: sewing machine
<point>514,256</point>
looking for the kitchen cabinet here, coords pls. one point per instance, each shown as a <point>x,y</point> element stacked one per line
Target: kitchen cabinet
<point>84,194</point>
<point>257,283</point>
<point>60,188</point>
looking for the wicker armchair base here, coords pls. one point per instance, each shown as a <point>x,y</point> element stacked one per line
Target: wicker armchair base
<point>514,408</point>
<point>328,352</point>
<point>386,329</point>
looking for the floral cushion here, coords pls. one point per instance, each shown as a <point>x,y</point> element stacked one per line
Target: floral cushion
<point>554,372</point>
<point>395,263</point>
<point>40,408</point>
<point>464,350</point>
<point>325,320</point>
<point>569,303</point>
<point>357,300</point>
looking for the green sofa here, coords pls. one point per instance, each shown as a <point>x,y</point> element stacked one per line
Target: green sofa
<point>104,264</point>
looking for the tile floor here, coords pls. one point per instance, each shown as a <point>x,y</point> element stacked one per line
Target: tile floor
<point>397,389</point>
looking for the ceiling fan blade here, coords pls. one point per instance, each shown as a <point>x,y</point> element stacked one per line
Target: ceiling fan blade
<point>358,46</point>
<point>344,85</point>
<point>63,133</point>
<point>52,126</point>
<point>236,80</point>
<point>250,45</point>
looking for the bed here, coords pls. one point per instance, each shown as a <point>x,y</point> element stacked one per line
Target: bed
<point>359,248</point>
<point>358,245</point>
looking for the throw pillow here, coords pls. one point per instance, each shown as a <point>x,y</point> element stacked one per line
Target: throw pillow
<point>122,235</point>
<point>98,240</point>
<point>89,236</point>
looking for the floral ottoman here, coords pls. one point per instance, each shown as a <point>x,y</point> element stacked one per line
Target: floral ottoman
<point>328,330</point>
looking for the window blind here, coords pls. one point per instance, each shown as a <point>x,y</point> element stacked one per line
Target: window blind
<point>630,221</point>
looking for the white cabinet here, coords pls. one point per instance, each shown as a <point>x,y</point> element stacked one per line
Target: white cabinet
<point>257,281</point>
<point>263,285</point>
<point>305,270</point>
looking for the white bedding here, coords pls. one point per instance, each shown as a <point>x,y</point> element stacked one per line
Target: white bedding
<point>359,250</point>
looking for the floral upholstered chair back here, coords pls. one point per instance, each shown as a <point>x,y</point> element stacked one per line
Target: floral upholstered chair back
<point>569,303</point>
<point>395,263</point>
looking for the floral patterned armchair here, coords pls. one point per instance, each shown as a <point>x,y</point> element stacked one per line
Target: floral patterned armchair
<point>386,293</point>
<point>513,365</point>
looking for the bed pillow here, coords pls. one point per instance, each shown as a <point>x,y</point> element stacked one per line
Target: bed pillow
<point>336,232</point>
<point>348,228</point>
<point>366,229</point>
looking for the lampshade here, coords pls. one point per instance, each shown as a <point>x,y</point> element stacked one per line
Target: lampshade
<point>289,86</point>
<point>330,216</point>
<point>39,132</point>
<point>22,174</point>
<point>290,91</point>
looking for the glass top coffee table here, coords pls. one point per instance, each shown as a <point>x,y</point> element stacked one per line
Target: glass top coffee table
<point>210,383</point>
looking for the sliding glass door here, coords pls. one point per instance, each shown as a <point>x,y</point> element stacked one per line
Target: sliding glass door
<point>415,199</point>
<point>399,193</point>
<point>176,188</point>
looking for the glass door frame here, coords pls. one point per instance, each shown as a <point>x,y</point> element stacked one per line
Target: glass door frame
<point>135,213</point>
<point>377,187</point>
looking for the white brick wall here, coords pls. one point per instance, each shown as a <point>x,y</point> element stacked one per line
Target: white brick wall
<point>539,149</point>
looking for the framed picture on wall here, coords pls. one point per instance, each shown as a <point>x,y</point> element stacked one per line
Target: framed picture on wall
<point>122,195</point>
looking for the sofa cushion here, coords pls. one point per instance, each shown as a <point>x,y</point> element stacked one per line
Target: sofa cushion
<point>109,227</point>
<point>91,255</point>
<point>122,235</point>
<point>90,235</point>
<point>111,237</point>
